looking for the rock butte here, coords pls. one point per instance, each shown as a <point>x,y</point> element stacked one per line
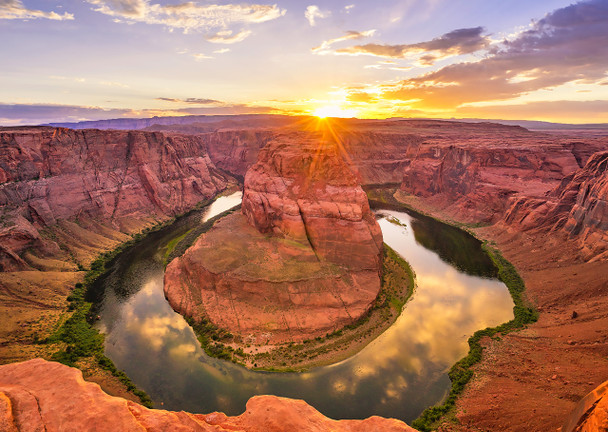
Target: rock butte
<point>45,396</point>
<point>539,196</point>
<point>306,263</point>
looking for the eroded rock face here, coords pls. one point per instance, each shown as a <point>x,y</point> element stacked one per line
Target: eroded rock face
<point>302,260</point>
<point>53,174</point>
<point>302,189</point>
<point>479,180</point>
<point>578,206</point>
<point>38,395</point>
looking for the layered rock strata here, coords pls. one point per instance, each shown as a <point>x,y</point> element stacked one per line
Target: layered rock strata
<point>578,206</point>
<point>591,413</point>
<point>49,175</point>
<point>475,169</point>
<point>303,258</point>
<point>38,395</point>
<point>306,192</point>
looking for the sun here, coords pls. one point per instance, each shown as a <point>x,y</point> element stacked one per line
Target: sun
<point>334,111</point>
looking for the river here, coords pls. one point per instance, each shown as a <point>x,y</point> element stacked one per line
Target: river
<point>398,375</point>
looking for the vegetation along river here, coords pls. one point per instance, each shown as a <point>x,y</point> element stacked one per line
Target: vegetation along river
<point>398,375</point>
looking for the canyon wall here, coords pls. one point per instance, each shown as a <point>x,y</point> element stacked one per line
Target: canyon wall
<point>475,169</point>
<point>578,206</point>
<point>236,151</point>
<point>547,193</point>
<point>116,178</point>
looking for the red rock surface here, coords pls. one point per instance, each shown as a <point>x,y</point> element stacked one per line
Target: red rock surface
<point>45,396</point>
<point>302,188</point>
<point>578,206</point>
<point>591,413</point>
<point>266,290</point>
<point>236,151</point>
<point>470,173</point>
<point>53,174</point>
<point>476,171</point>
<point>307,264</point>
<point>474,168</point>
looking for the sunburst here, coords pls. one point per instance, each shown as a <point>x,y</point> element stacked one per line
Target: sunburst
<point>334,111</point>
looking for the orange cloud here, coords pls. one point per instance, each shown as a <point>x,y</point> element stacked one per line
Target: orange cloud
<point>569,44</point>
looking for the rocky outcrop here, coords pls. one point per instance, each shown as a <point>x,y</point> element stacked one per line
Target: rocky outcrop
<point>53,174</point>
<point>307,263</point>
<point>38,395</point>
<point>591,413</point>
<point>578,206</point>
<point>265,290</point>
<point>472,170</point>
<point>302,189</point>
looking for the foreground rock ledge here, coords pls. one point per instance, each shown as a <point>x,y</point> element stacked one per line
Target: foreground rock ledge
<point>38,395</point>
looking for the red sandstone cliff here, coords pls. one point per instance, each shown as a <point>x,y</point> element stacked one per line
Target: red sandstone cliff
<point>44,396</point>
<point>578,206</point>
<point>473,176</point>
<point>48,175</point>
<point>236,151</point>
<point>464,178</point>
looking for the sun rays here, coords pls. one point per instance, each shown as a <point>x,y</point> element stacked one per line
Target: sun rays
<point>330,135</point>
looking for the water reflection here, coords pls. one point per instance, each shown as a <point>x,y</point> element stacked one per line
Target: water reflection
<point>462,251</point>
<point>397,375</point>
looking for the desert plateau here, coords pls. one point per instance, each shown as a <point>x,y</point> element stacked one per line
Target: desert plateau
<point>340,216</point>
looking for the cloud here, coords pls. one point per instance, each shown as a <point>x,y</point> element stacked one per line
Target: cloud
<point>14,9</point>
<point>226,36</point>
<point>567,45</point>
<point>200,56</point>
<point>325,46</point>
<point>221,51</point>
<point>348,8</point>
<point>457,42</point>
<point>190,16</point>
<point>313,12</point>
<point>361,97</point>
<point>197,101</point>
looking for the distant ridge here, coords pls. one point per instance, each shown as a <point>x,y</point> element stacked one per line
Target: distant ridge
<point>537,124</point>
<point>142,123</point>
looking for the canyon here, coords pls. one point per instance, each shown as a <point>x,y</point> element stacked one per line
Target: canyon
<point>541,198</point>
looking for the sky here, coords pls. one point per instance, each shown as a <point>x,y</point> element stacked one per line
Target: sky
<point>508,59</point>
